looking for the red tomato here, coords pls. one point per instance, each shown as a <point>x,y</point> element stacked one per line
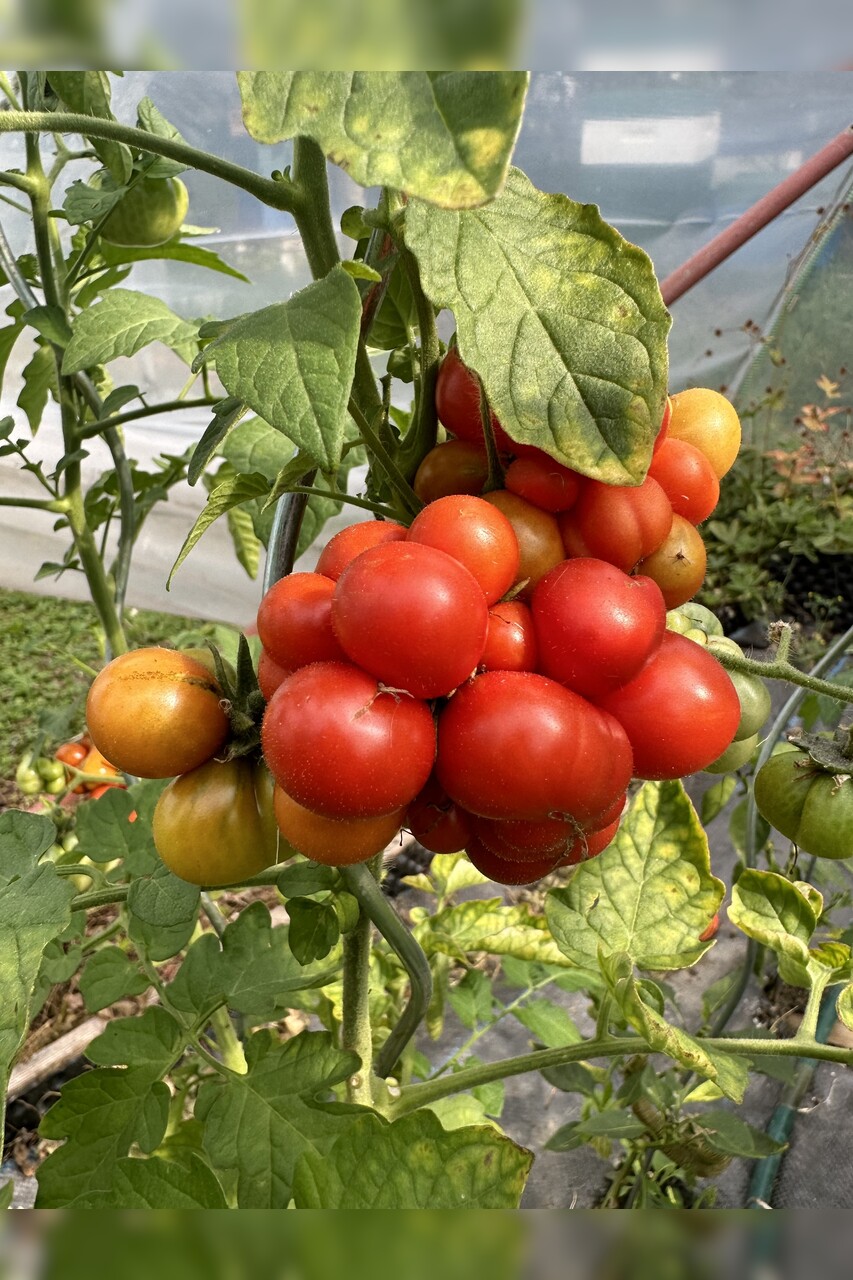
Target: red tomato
<point>538,535</point>
<point>457,466</point>
<point>295,621</point>
<point>412,616</point>
<point>342,746</point>
<point>513,744</point>
<point>351,541</point>
<point>457,403</point>
<point>520,841</point>
<point>97,792</point>
<point>687,478</point>
<point>476,534</point>
<point>511,639</point>
<point>73,753</point>
<point>270,674</point>
<point>336,842</point>
<point>618,523</point>
<point>542,480</point>
<point>436,822</point>
<point>596,626</point>
<point>678,566</point>
<point>503,871</point>
<point>681,711</point>
<point>591,846</point>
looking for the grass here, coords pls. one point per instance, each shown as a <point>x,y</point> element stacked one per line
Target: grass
<point>42,641</point>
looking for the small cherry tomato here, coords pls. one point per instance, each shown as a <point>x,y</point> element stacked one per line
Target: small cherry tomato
<point>348,543</point>
<point>336,842</point>
<point>457,466</point>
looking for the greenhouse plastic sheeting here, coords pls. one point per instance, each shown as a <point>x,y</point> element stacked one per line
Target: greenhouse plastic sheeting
<point>671,158</point>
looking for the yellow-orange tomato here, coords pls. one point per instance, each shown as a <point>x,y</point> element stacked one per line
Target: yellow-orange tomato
<point>337,842</point>
<point>95,765</point>
<point>156,713</point>
<point>710,423</point>
<point>538,534</point>
<point>678,566</point>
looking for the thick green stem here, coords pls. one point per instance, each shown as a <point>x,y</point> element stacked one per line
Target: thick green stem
<point>363,886</point>
<point>783,671</point>
<point>421,436</point>
<point>145,411</point>
<point>807,1030</point>
<point>366,505</point>
<point>418,1095</point>
<point>356,1031</point>
<point>311,207</point>
<point>278,194</point>
<point>58,506</point>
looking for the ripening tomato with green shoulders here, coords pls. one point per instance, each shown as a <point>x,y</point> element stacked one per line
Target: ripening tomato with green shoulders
<point>456,466</point>
<point>215,825</point>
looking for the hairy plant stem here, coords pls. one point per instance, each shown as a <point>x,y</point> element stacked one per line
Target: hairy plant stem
<point>783,670</point>
<point>421,436</point>
<point>396,479</point>
<point>356,1031</point>
<point>227,1041</point>
<point>366,505</point>
<point>362,884</point>
<point>418,1095</point>
<point>807,1029</point>
<point>147,411</point>
<point>278,194</point>
<point>103,595</point>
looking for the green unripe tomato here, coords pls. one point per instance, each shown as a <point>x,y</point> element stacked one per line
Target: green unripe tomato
<point>735,756</point>
<point>690,618</point>
<point>55,787</point>
<point>754,697</point>
<point>50,770</point>
<point>149,214</point>
<point>811,806</point>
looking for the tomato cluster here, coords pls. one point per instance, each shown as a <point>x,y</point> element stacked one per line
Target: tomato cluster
<point>492,677</point>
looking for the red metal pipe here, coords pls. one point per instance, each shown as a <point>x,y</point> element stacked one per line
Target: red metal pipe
<point>762,212</point>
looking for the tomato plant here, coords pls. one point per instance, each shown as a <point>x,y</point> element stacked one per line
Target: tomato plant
<point>490,675</point>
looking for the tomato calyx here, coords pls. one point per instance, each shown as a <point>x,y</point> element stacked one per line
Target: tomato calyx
<point>831,755</point>
<point>242,701</point>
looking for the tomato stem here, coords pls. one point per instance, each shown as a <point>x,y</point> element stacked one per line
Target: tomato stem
<point>783,670</point>
<point>356,1030</point>
<point>362,884</point>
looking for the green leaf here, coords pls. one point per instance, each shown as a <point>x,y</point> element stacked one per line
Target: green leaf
<point>770,909</point>
<point>226,415</point>
<point>101,1114</point>
<point>9,335</point>
<point>253,445</point>
<point>258,1125</point>
<point>293,364</point>
<point>546,281</point>
<point>253,969</point>
<point>458,1111</point>
<point>88,93</point>
<point>158,1184</point>
<point>548,1023</point>
<point>118,398</point>
<point>51,322</point>
<point>650,893</point>
<point>24,837</point>
<point>445,136</point>
<point>154,122</point>
<point>231,493</point>
<point>121,324</point>
<point>39,380</point>
<point>574,1077</point>
<point>302,878</point>
<point>397,315</point>
<point>105,832</point>
<point>725,1070</point>
<point>247,544</point>
<point>153,1039</point>
<point>34,909</point>
<point>472,999</point>
<point>844,1006</point>
<point>360,270</point>
<point>413,1164</point>
<point>715,799</point>
<point>314,929</point>
<point>110,976</point>
<point>614,1124</point>
<point>7,1194</point>
<point>732,1136</point>
<point>174,250</point>
<point>162,911</point>
<point>486,924</point>
<point>84,203</point>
